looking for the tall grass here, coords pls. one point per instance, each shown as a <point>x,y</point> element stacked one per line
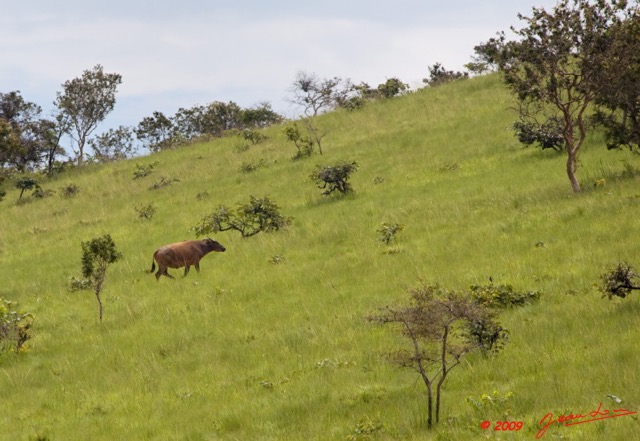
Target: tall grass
<point>259,347</point>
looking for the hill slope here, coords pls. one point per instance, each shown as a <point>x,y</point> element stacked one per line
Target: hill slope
<point>252,349</point>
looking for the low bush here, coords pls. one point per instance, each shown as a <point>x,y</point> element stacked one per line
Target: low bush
<point>502,296</point>
<point>260,214</point>
<point>15,326</point>
<point>334,177</point>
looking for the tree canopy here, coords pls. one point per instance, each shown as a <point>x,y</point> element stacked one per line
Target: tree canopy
<point>555,68</point>
<point>86,101</point>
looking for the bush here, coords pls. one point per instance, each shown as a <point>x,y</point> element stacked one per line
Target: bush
<point>253,136</point>
<point>548,135</point>
<point>502,296</point>
<point>260,214</point>
<point>14,327</point>
<point>146,211</point>
<point>438,75</point>
<point>304,144</point>
<point>248,167</point>
<point>619,281</point>
<point>388,232</point>
<point>334,177</point>
<point>163,182</point>
<point>143,170</point>
<point>69,191</point>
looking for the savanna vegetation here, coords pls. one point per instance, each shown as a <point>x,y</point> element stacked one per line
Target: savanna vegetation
<point>270,340</point>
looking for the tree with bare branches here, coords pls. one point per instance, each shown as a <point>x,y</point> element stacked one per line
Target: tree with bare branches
<point>442,326</point>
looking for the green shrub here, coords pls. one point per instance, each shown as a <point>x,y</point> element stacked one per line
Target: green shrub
<point>69,191</point>
<point>163,182</point>
<point>143,170</point>
<point>335,177</point>
<point>15,327</point>
<point>260,214</point>
<point>253,136</point>
<point>619,281</point>
<point>304,143</point>
<point>146,211</point>
<point>502,296</point>
<point>388,232</point>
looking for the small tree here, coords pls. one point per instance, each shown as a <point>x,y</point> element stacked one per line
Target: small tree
<point>86,101</point>
<point>97,255</point>
<point>334,177</point>
<point>303,143</point>
<point>26,183</point>
<point>619,281</point>
<point>442,327</point>
<point>260,214</point>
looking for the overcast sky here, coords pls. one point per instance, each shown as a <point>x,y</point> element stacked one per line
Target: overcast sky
<point>180,54</point>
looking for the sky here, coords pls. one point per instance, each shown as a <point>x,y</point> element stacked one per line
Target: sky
<point>193,52</point>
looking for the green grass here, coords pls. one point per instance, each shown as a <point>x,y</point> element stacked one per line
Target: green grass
<point>251,349</point>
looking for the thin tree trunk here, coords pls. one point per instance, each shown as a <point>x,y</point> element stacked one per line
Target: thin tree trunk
<point>444,372</point>
<point>98,290</point>
<point>572,165</point>
<point>429,406</point>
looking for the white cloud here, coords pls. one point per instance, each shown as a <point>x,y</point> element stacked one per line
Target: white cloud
<point>194,52</point>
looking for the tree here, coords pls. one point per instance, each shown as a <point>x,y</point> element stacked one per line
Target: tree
<point>315,95</point>
<point>442,326</point>
<point>97,255</point>
<point>335,177</point>
<point>52,132</point>
<point>156,132</point>
<point>113,145</point>
<point>391,88</point>
<point>21,135</point>
<point>260,214</point>
<point>259,116</point>
<point>552,69</point>
<point>26,183</point>
<point>618,98</point>
<point>86,101</point>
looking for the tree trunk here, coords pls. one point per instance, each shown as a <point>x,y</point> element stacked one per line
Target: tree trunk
<point>98,290</point>
<point>572,165</point>
<point>445,370</point>
<point>429,406</point>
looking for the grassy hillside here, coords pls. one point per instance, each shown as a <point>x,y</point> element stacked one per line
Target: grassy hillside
<point>252,349</point>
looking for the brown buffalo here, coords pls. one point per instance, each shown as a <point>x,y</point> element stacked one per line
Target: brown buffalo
<point>187,253</point>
